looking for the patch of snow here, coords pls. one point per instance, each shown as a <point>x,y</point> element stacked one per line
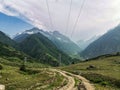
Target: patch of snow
<point>30,32</point>
<point>58,38</point>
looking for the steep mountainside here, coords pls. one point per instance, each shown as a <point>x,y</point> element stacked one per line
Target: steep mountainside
<point>6,40</point>
<point>62,42</point>
<point>106,44</point>
<point>37,46</point>
<point>8,51</point>
<point>84,43</point>
<point>40,47</point>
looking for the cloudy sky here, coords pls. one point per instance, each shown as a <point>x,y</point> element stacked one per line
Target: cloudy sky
<point>96,18</point>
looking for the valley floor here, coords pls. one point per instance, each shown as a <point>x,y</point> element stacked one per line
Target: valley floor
<point>39,77</point>
<point>47,79</point>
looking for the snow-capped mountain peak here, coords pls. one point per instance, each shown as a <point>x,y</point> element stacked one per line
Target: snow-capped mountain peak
<point>61,41</point>
<point>32,31</point>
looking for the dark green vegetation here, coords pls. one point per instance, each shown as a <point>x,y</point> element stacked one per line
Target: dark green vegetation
<point>1,67</point>
<point>62,42</point>
<point>6,40</point>
<point>8,51</point>
<point>15,74</point>
<point>106,44</point>
<point>32,78</point>
<point>103,71</point>
<point>12,57</point>
<point>36,46</point>
<point>41,48</point>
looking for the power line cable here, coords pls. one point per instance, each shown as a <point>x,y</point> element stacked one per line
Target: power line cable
<point>68,19</point>
<point>74,27</point>
<point>50,18</point>
<point>49,13</point>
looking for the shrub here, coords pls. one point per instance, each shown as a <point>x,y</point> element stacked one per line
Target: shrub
<point>91,67</point>
<point>104,83</point>
<point>1,67</point>
<point>23,68</point>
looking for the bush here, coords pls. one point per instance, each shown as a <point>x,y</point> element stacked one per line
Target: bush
<point>1,67</point>
<point>91,67</point>
<point>104,83</point>
<point>23,68</point>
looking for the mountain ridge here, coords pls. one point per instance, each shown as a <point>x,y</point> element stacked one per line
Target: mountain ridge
<point>37,46</point>
<point>7,40</point>
<point>41,48</point>
<point>106,44</point>
<point>62,42</point>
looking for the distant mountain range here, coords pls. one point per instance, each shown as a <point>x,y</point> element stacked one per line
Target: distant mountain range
<point>37,46</point>
<point>40,47</point>
<point>84,43</point>
<point>107,44</point>
<point>62,42</point>
<point>43,45</point>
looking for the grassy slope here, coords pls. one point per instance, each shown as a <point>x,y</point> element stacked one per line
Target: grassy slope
<point>37,78</point>
<point>108,67</point>
<point>41,48</point>
<point>34,77</point>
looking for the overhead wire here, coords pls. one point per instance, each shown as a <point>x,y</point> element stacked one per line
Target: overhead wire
<point>50,18</point>
<point>74,27</point>
<point>69,13</point>
<point>68,19</point>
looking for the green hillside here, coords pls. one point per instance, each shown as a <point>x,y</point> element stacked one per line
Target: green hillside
<point>103,71</point>
<point>8,51</point>
<point>107,44</point>
<point>34,76</point>
<point>6,40</point>
<point>36,46</point>
<point>41,48</point>
<point>61,41</point>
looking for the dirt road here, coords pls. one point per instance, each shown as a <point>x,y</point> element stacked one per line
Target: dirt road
<point>70,84</point>
<point>71,81</point>
<point>85,82</point>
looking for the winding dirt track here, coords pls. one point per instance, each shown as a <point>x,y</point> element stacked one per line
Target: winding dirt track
<point>71,82</point>
<point>85,82</point>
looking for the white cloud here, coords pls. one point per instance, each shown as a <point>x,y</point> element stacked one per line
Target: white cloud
<point>96,18</point>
